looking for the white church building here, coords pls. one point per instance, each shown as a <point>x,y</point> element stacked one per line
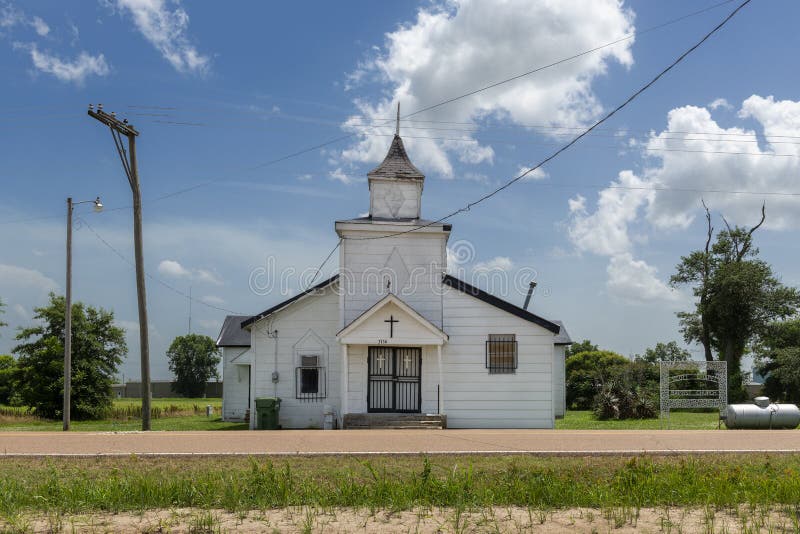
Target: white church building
<point>393,339</point>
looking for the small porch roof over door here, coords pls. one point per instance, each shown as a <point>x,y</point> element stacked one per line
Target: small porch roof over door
<point>391,322</point>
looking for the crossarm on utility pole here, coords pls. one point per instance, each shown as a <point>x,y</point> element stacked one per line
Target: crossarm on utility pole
<point>118,129</point>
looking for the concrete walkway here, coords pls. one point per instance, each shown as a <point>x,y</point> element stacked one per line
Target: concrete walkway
<point>310,442</point>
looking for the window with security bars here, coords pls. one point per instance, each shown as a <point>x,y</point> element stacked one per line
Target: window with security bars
<point>310,379</point>
<point>501,353</point>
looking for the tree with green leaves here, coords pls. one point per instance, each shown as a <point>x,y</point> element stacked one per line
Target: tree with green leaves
<point>2,310</point>
<point>97,350</point>
<point>738,296</point>
<point>7,366</point>
<point>778,359</point>
<point>582,346</point>
<point>664,352</point>
<point>586,372</point>
<point>193,359</point>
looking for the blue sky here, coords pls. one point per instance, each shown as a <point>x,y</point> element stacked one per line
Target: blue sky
<point>218,93</point>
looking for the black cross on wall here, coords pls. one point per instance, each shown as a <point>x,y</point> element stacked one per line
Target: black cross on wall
<point>391,320</point>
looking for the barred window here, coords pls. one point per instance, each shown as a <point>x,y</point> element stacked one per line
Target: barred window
<point>501,353</point>
<point>310,379</point>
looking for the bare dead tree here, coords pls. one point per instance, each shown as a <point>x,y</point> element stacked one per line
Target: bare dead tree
<point>706,329</point>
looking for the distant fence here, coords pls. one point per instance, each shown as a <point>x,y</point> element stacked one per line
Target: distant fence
<point>161,389</point>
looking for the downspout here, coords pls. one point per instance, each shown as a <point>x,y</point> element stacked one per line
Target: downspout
<point>253,386</point>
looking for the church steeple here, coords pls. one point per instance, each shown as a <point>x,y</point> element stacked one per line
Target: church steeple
<point>396,184</point>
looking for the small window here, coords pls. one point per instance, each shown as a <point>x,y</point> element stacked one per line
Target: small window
<point>310,379</point>
<point>501,353</point>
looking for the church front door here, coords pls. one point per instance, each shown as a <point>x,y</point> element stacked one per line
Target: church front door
<point>393,377</point>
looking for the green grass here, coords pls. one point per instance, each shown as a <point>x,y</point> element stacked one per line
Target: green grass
<point>169,414</point>
<point>395,483</point>
<point>585,420</point>
<point>191,422</point>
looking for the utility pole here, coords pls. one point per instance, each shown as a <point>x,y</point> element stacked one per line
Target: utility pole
<point>118,129</point>
<point>68,323</point>
<point>98,206</point>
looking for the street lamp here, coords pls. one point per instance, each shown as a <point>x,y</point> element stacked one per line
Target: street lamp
<point>98,207</point>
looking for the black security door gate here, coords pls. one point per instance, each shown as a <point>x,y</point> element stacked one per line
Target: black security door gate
<point>393,384</point>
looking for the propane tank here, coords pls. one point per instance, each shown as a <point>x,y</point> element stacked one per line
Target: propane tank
<point>762,415</point>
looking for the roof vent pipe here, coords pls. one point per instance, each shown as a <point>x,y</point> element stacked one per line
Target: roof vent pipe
<point>531,287</point>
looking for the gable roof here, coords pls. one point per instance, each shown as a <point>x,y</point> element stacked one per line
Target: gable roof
<point>562,338</point>
<point>393,299</point>
<point>488,298</point>
<point>396,164</point>
<point>286,302</point>
<point>232,334</point>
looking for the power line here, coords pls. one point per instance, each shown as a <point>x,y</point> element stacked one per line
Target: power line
<point>321,265</point>
<point>716,137</point>
<point>150,276</point>
<point>611,147</point>
<point>344,137</point>
<point>555,63</point>
<point>580,136</point>
<point>450,100</point>
<point>624,38</point>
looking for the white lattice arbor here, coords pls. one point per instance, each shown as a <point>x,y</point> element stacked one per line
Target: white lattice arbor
<point>676,393</point>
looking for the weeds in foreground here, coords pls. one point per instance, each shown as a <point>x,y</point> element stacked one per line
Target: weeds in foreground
<point>203,523</point>
<point>617,487</point>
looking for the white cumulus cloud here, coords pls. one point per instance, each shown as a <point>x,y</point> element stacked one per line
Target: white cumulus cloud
<point>203,275</point>
<point>459,45</point>
<point>734,169</point>
<point>695,152</point>
<point>636,281</point>
<point>74,70</point>
<point>719,103</point>
<point>167,31</point>
<point>22,277</point>
<point>605,232</point>
<point>499,263</point>
<point>173,269</point>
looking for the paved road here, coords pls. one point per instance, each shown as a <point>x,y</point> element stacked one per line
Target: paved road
<point>290,442</point>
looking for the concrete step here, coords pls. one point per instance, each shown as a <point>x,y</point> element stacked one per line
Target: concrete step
<point>394,420</point>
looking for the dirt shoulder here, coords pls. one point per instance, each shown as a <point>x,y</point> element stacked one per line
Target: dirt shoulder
<point>428,520</point>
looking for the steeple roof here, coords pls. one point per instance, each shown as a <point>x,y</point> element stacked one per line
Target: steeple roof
<point>396,164</point>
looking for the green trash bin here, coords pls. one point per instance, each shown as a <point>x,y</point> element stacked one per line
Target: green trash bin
<point>267,410</point>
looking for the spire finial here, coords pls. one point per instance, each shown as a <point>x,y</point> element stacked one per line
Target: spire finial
<point>397,128</point>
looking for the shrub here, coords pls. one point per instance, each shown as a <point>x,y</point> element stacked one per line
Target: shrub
<point>617,400</point>
<point>586,372</point>
<point>629,393</point>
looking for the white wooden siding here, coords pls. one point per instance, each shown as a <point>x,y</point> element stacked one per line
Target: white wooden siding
<point>235,383</point>
<point>559,377</point>
<point>424,258</point>
<point>410,190</point>
<point>473,398</point>
<point>320,315</point>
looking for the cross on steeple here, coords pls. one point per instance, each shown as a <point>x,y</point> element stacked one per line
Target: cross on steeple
<point>397,127</point>
<point>391,320</point>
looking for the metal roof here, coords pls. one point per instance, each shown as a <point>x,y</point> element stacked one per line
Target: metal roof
<point>488,298</point>
<point>396,164</point>
<point>232,334</point>
<point>562,338</point>
<point>250,320</point>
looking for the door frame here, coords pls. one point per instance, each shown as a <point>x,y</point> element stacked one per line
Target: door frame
<point>395,378</point>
